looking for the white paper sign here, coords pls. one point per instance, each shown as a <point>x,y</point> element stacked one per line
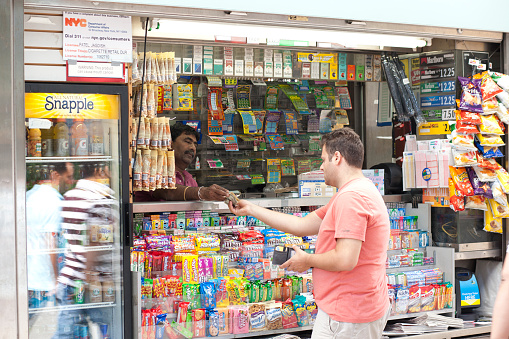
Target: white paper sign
<point>95,70</point>
<point>97,37</point>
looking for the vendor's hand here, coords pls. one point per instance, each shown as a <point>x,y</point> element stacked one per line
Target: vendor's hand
<point>214,193</point>
<point>243,207</point>
<point>298,262</point>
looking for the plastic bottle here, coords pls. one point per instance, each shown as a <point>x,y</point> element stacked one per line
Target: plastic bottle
<point>79,138</point>
<point>61,139</point>
<point>95,293</point>
<point>138,169</point>
<point>154,133</point>
<point>34,142</point>
<point>96,138</point>
<point>197,164</point>
<point>141,135</point>
<point>47,136</point>
<point>108,288</point>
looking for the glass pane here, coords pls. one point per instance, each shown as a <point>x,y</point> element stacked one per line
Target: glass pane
<point>73,227</point>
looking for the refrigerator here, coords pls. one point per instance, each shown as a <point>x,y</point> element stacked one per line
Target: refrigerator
<point>77,209</point>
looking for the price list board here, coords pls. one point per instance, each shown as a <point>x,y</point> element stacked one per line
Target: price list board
<point>437,85</point>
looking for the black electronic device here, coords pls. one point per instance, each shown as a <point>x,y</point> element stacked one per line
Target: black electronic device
<point>282,254</point>
<point>393,177</point>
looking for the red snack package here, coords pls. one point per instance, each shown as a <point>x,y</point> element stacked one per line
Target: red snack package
<point>464,128</point>
<point>487,163</point>
<point>456,200</point>
<point>468,117</point>
<point>289,317</point>
<point>159,289</point>
<point>489,88</point>
<point>199,322</point>
<point>461,182</point>
<point>173,285</point>
<point>182,312</point>
<point>157,261</point>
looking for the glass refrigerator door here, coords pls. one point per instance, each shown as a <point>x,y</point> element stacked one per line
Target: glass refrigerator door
<point>74,259</point>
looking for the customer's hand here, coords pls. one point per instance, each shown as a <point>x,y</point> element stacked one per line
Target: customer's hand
<point>243,207</point>
<point>214,193</point>
<point>298,262</point>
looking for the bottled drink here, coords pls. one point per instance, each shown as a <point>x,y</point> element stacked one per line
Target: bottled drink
<point>108,289</point>
<point>138,168</point>
<point>79,138</point>
<point>47,136</point>
<point>30,176</point>
<point>37,174</point>
<point>34,142</point>
<point>95,293</point>
<point>61,138</point>
<point>79,296</point>
<point>96,138</point>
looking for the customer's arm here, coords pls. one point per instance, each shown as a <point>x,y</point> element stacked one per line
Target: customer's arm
<point>500,325</point>
<point>308,225</point>
<point>211,193</point>
<point>343,257</point>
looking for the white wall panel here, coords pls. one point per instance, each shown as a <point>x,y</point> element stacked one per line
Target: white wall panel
<point>45,73</point>
<point>43,40</point>
<point>44,56</point>
<point>43,23</point>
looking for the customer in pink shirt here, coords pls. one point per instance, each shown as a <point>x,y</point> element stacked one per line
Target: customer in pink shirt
<point>185,140</point>
<point>353,232</point>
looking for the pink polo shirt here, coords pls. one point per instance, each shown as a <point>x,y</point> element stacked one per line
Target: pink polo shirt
<point>357,211</point>
<point>184,178</point>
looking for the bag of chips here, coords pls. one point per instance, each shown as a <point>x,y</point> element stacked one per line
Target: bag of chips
<point>480,188</point>
<point>456,201</point>
<point>488,87</point>
<point>502,113</point>
<point>498,193</point>
<point>485,174</point>
<point>463,128</point>
<point>462,158</point>
<point>471,98</point>
<point>501,79</point>
<point>487,163</point>
<point>503,178</point>
<point>492,224</point>
<point>465,141</point>
<point>503,97</point>
<point>490,125</point>
<point>498,210</point>
<point>489,106</point>
<point>490,140</point>
<point>469,117</point>
<point>476,202</point>
<point>461,182</point>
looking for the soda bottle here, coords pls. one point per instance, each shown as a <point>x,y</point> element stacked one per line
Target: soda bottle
<point>79,292</point>
<point>34,142</point>
<point>61,138</point>
<point>79,138</point>
<point>47,136</point>
<point>96,138</point>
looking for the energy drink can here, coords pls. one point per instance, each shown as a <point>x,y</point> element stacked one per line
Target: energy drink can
<point>79,292</point>
<point>76,331</point>
<point>83,331</point>
<point>104,330</point>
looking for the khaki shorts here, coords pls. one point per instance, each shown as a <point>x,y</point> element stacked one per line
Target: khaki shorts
<point>325,328</point>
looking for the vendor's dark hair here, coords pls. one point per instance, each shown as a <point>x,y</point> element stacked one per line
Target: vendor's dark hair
<point>179,128</point>
<point>347,143</point>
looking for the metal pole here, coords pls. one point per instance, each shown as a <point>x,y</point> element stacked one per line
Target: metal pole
<point>13,280</point>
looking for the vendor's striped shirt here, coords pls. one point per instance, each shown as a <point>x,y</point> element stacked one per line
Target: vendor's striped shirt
<point>89,203</point>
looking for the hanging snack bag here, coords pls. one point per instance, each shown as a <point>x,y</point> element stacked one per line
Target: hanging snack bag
<point>471,98</point>
<point>488,151</point>
<point>469,117</point>
<point>489,87</point>
<point>490,125</point>
<point>498,210</point>
<point>498,193</point>
<point>476,202</point>
<point>480,188</point>
<point>500,79</point>
<point>487,163</point>
<point>464,128</point>
<point>463,140</point>
<point>492,224</point>
<point>503,97</point>
<point>456,201</point>
<point>485,174</point>
<point>462,158</point>
<point>489,106</point>
<point>503,178</point>
<point>502,113</point>
<point>460,177</point>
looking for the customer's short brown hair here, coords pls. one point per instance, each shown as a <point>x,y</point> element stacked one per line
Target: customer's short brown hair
<point>347,143</point>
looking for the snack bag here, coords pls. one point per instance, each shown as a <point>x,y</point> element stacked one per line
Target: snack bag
<point>463,128</point>
<point>257,318</point>
<point>489,88</point>
<point>476,202</point>
<point>501,79</point>
<point>503,178</point>
<point>463,140</point>
<point>498,210</point>
<point>460,177</point>
<point>224,320</point>
<point>490,125</point>
<point>484,174</point>
<point>212,323</point>
<point>289,317</point>
<point>487,151</point>
<point>274,317</point>
<point>208,295</point>
<point>489,106</point>
<point>312,311</point>
<point>490,140</point>
<point>402,295</point>
<point>492,224</point>
<point>240,319</point>
<point>428,298</point>
<point>502,113</point>
<point>480,188</point>
<point>503,97</point>
<point>471,98</point>
<point>487,163</point>
<point>414,299</point>
<point>199,322</point>
<point>498,193</point>
<point>299,306</point>
<point>456,201</point>
<point>469,117</point>
<point>190,293</point>
<point>462,158</point>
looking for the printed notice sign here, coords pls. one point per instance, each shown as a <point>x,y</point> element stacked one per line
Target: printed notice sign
<point>97,37</point>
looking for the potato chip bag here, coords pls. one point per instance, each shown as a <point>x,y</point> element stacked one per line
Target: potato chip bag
<point>476,202</point>
<point>502,113</point>
<point>480,188</point>
<point>469,117</point>
<point>498,210</point>
<point>492,224</point>
<point>463,140</point>
<point>501,79</point>
<point>461,182</point>
<point>485,174</point>
<point>498,193</point>
<point>487,163</point>
<point>464,128</point>
<point>462,158</point>
<point>456,201</point>
<point>490,140</point>
<point>471,98</point>
<point>489,106</point>
<point>490,125</point>
<point>503,97</point>
<point>488,86</point>
<point>503,178</point>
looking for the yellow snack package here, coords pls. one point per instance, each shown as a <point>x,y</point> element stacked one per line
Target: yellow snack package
<point>498,210</point>
<point>503,178</point>
<point>492,224</point>
<point>490,140</point>
<point>490,125</point>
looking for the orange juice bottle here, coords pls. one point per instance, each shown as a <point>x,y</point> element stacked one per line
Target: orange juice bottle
<point>61,139</point>
<point>34,142</point>
<point>79,138</point>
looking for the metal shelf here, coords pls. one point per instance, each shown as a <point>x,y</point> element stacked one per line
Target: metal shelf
<point>92,158</point>
<point>416,314</point>
<point>262,333</point>
<point>409,268</point>
<point>72,307</point>
<point>478,254</point>
<point>456,333</point>
<point>64,250</point>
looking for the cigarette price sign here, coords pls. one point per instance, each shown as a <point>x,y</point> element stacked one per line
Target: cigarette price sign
<point>97,37</point>
<point>438,87</point>
<point>437,73</point>
<point>438,100</point>
<point>435,128</point>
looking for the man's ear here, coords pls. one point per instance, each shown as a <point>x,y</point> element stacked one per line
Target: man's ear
<point>337,157</point>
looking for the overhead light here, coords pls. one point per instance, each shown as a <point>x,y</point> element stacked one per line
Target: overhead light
<point>236,13</point>
<point>199,30</point>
